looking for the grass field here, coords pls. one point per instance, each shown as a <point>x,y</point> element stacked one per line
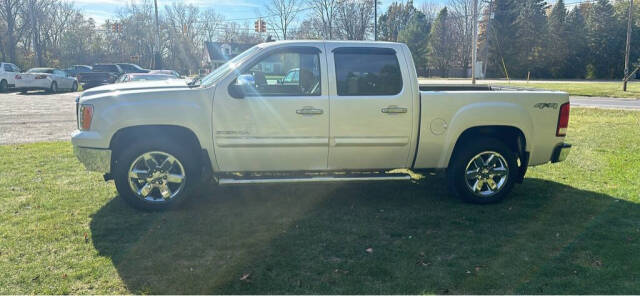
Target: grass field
<point>590,89</point>
<point>571,228</point>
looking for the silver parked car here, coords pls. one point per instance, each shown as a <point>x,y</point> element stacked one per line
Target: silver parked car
<point>48,79</point>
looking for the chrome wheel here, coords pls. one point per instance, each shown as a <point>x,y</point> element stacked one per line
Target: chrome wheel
<point>487,173</point>
<point>156,177</point>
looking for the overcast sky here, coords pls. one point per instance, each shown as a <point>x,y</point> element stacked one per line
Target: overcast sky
<point>101,10</point>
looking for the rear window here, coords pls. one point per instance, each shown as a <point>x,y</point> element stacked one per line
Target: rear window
<point>105,68</point>
<point>367,72</point>
<point>40,70</point>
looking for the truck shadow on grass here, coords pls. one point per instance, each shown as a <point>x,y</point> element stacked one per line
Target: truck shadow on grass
<point>375,238</point>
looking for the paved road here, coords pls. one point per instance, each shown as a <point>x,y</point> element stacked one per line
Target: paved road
<point>605,103</point>
<point>37,116</point>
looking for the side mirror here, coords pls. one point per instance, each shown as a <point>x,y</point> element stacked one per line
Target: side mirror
<point>236,91</point>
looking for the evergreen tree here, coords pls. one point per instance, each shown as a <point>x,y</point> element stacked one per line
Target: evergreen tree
<point>416,36</point>
<point>531,32</point>
<point>395,19</point>
<point>603,40</point>
<point>440,48</point>
<point>577,57</point>
<point>501,36</point>
<point>558,46</point>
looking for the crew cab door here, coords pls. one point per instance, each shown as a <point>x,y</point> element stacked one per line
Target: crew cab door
<point>371,101</point>
<point>264,122</point>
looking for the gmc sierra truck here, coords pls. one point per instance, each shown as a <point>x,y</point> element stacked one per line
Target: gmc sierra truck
<point>354,111</point>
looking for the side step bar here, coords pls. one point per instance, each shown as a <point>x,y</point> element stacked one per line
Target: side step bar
<point>231,181</point>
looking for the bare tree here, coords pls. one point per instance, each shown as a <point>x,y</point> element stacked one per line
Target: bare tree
<point>211,24</point>
<point>324,13</point>
<point>9,12</point>
<point>282,14</point>
<point>183,35</point>
<point>430,10</point>
<point>353,19</point>
<point>461,17</point>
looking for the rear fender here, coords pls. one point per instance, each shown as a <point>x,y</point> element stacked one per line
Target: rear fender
<point>487,114</point>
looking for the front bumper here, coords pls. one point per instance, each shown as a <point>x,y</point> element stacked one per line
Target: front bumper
<point>94,159</point>
<point>561,152</point>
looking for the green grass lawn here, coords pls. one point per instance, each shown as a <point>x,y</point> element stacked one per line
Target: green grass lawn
<point>590,89</point>
<point>571,228</point>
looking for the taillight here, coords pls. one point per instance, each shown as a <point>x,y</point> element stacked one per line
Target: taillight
<point>41,76</point>
<point>563,120</point>
<point>18,77</point>
<point>85,115</point>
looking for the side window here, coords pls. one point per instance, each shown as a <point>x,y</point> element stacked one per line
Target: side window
<point>58,73</point>
<point>15,68</point>
<point>8,68</point>
<point>367,72</point>
<point>284,73</point>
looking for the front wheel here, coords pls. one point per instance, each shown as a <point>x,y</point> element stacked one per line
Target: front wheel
<point>74,87</point>
<point>3,86</point>
<point>54,88</point>
<point>155,176</point>
<point>482,171</point>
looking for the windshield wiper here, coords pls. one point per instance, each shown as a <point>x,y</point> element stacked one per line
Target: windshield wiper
<point>195,82</point>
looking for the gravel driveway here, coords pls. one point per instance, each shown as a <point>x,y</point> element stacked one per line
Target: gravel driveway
<point>36,117</point>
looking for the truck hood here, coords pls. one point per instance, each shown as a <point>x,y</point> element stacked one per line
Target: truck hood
<point>133,86</point>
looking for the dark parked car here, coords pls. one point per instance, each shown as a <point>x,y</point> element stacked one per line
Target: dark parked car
<point>132,68</point>
<point>100,74</point>
<point>74,70</point>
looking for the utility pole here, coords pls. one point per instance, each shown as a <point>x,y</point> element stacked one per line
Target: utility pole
<point>157,63</point>
<point>474,47</point>
<point>375,20</point>
<point>628,49</point>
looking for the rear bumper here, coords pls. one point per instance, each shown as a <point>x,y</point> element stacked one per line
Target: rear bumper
<point>561,152</point>
<point>94,159</point>
<point>33,85</point>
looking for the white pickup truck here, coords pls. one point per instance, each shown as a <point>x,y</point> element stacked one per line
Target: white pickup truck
<point>314,111</point>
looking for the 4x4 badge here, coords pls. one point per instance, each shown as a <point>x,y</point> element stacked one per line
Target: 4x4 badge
<point>541,106</point>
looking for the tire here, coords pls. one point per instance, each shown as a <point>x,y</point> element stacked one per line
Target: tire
<point>132,158</point>
<point>3,86</point>
<point>74,87</point>
<point>54,88</point>
<point>486,164</point>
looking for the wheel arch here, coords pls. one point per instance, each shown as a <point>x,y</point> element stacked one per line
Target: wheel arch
<point>180,134</point>
<point>511,136</point>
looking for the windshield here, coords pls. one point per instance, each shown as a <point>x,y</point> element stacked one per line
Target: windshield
<point>226,67</point>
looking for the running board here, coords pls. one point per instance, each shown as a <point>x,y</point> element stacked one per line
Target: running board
<point>231,181</point>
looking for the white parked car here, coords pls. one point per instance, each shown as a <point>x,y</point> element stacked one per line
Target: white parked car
<point>8,74</point>
<point>48,79</point>
<point>352,111</point>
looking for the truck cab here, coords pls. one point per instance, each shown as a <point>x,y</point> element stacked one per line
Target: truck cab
<point>352,111</point>
<point>8,74</point>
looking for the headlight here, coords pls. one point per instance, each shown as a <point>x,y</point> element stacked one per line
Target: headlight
<point>85,115</point>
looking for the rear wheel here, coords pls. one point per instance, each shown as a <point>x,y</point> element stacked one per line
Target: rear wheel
<point>483,170</point>
<point>155,175</point>
<point>54,88</point>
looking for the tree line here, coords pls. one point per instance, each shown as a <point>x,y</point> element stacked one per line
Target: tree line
<point>517,38</point>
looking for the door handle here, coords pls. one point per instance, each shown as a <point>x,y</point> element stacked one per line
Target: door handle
<point>309,111</point>
<point>394,110</point>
